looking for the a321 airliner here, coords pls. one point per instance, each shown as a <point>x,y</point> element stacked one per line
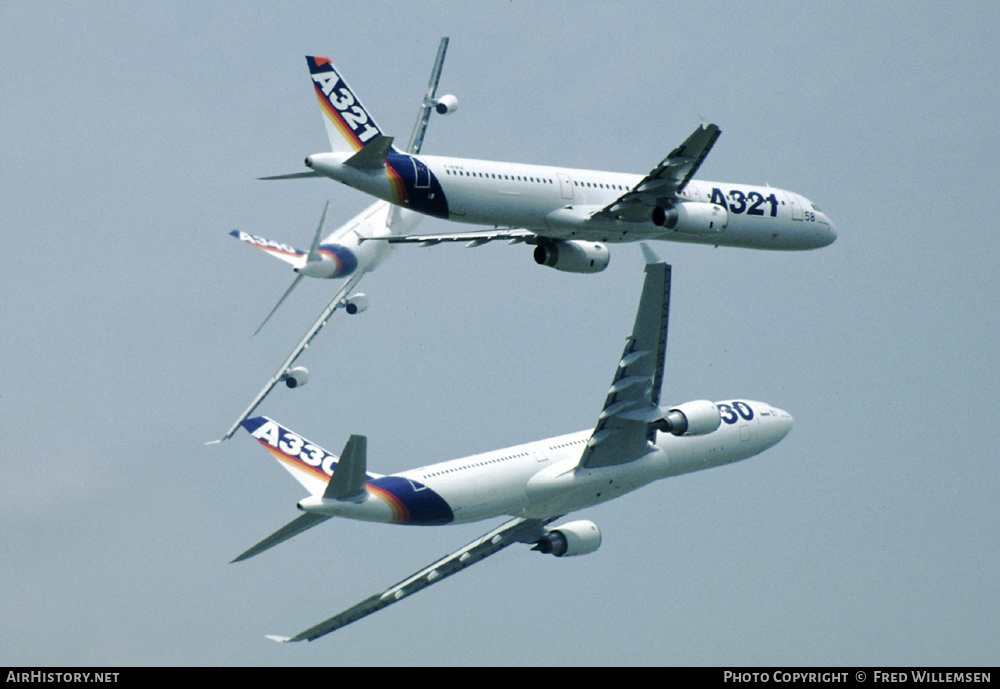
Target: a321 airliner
<point>635,442</point>
<point>568,214</point>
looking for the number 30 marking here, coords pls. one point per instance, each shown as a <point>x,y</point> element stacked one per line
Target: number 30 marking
<point>738,410</point>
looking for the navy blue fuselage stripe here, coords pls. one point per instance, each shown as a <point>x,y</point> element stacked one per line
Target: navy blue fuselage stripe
<point>348,261</point>
<point>422,186</point>
<point>426,507</point>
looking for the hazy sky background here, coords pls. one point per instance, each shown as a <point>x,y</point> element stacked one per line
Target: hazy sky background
<point>132,136</point>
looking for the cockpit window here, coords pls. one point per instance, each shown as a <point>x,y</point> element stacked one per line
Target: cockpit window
<point>815,207</point>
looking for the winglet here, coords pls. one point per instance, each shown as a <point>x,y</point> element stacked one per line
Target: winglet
<point>649,254</point>
<point>279,639</point>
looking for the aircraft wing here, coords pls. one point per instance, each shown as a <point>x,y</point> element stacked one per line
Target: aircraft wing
<point>472,238</point>
<point>623,429</point>
<point>302,346</point>
<point>420,128</point>
<point>517,530</point>
<point>667,179</point>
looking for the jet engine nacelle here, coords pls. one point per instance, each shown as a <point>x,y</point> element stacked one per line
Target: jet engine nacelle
<point>573,256</point>
<point>573,538</point>
<point>356,303</point>
<point>296,377</point>
<point>445,105</point>
<point>692,217</point>
<point>691,418</point>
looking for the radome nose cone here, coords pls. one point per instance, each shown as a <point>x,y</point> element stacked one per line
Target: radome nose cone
<point>785,422</point>
<point>831,235</point>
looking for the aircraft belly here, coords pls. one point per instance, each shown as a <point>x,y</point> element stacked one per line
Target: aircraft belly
<point>480,494</point>
<point>497,208</point>
<point>563,488</point>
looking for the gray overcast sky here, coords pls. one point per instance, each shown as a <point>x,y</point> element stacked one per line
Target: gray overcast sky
<point>132,136</point>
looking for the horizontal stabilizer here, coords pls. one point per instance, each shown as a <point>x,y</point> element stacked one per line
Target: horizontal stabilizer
<point>372,156</point>
<point>293,175</point>
<point>348,480</point>
<point>294,528</point>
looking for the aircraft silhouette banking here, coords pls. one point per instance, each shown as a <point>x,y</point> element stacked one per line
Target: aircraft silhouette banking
<point>568,214</point>
<point>635,442</point>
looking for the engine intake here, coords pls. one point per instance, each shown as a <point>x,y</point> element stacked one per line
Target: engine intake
<point>692,217</point>
<point>573,538</point>
<point>573,256</point>
<point>446,105</point>
<point>691,418</point>
<point>296,377</point>
<point>356,303</point>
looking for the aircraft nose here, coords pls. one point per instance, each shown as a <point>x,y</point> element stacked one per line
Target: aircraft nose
<point>782,423</point>
<point>831,234</point>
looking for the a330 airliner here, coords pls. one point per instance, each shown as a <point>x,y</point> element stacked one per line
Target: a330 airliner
<point>635,442</point>
<point>568,214</point>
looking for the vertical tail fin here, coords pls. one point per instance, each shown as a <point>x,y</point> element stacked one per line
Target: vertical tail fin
<point>348,123</point>
<point>309,463</point>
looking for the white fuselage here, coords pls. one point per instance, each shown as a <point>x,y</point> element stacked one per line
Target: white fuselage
<point>371,222</point>
<point>542,479</point>
<point>561,203</point>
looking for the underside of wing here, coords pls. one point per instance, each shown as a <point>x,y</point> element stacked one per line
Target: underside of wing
<point>471,238</point>
<point>514,531</point>
<point>623,430</point>
<point>666,180</point>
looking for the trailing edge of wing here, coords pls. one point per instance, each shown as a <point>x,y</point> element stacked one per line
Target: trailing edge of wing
<point>623,431</point>
<point>514,531</point>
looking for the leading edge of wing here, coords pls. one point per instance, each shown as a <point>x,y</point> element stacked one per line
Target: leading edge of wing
<point>666,180</point>
<point>303,345</point>
<point>518,530</point>
<point>622,431</point>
